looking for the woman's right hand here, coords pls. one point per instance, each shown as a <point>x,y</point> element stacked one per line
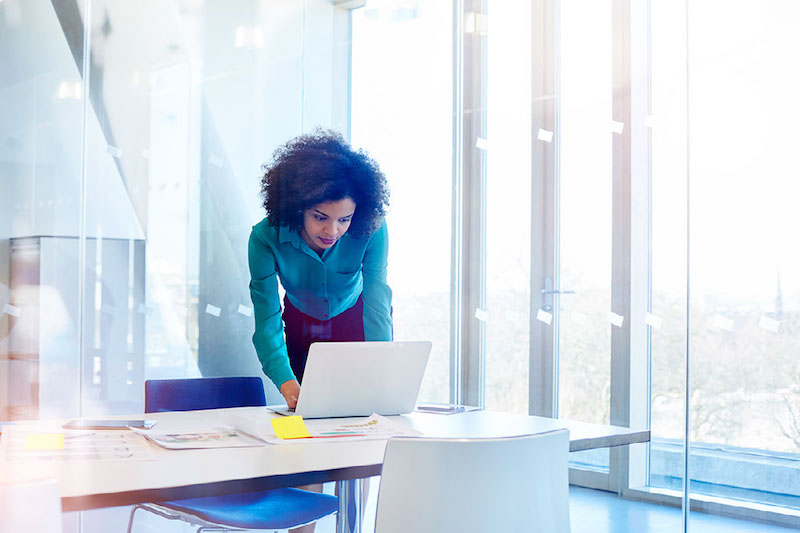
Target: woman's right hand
<point>290,390</point>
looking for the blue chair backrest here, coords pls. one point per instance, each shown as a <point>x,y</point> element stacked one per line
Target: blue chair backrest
<point>202,393</point>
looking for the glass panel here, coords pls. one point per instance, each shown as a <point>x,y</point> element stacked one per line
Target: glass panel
<point>40,194</point>
<point>508,206</point>
<point>745,286</point>
<point>176,131</point>
<point>402,90</point>
<point>668,326</point>
<point>584,233</point>
<point>175,142</point>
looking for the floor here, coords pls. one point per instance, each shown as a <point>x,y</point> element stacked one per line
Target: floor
<point>591,511</point>
<point>594,511</point>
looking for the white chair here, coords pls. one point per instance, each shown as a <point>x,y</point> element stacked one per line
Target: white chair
<point>33,506</point>
<point>475,485</point>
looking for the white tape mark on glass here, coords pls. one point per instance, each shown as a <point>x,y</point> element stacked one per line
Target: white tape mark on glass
<point>545,135</point>
<point>770,324</point>
<point>213,310</point>
<point>615,319</point>
<point>482,143</point>
<point>481,314</point>
<point>617,127</point>
<point>544,316</point>
<point>648,121</point>
<point>244,310</point>
<point>145,153</point>
<point>216,161</point>
<point>652,320</point>
<point>12,310</point>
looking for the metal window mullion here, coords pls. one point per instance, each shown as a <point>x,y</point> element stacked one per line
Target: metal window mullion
<point>687,395</point>
<point>86,109</point>
<point>620,408</point>
<point>543,382</point>
<point>473,205</point>
<point>457,224</point>
<point>637,466</point>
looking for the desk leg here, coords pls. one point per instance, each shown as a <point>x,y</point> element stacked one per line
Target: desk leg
<point>350,509</point>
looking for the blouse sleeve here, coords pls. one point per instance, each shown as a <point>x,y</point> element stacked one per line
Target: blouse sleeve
<point>377,295</point>
<point>268,338</point>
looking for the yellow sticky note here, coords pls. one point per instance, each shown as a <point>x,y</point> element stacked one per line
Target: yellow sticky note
<point>290,427</point>
<point>44,441</point>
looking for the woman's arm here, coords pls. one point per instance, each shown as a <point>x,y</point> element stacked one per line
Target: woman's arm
<point>377,295</point>
<point>268,338</point>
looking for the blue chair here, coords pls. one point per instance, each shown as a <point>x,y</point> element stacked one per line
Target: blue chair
<point>270,509</point>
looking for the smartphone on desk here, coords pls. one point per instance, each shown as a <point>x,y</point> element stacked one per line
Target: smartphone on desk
<point>87,423</point>
<point>440,408</point>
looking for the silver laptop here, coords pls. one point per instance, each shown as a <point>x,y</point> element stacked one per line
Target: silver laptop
<point>361,378</point>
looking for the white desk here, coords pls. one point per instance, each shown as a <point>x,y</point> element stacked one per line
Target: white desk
<point>177,474</point>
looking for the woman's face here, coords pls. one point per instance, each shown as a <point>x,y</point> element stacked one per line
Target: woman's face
<point>325,223</point>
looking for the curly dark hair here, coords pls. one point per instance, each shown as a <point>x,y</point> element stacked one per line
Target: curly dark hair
<point>321,167</point>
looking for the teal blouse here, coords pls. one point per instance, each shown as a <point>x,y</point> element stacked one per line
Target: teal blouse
<point>320,287</point>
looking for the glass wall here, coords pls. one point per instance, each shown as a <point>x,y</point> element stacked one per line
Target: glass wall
<point>127,204</point>
<point>743,295</point>
<point>745,287</point>
<point>42,201</point>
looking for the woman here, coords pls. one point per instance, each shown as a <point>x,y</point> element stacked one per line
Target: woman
<point>325,237</point>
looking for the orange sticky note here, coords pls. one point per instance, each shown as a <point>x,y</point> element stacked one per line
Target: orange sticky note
<point>44,441</point>
<point>290,427</point>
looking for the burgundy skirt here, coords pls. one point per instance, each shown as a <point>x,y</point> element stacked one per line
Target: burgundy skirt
<point>301,330</point>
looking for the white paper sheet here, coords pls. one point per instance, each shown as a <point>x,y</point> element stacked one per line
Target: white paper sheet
<point>202,438</point>
<point>92,445</point>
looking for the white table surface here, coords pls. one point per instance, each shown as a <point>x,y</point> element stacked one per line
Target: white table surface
<point>176,474</point>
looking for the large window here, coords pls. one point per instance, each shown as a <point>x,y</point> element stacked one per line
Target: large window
<point>401,113</point>
<point>745,294</point>
<point>610,207</point>
<point>578,162</point>
<point>508,200</point>
<point>582,235</point>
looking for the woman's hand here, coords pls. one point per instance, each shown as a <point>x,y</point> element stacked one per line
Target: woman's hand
<point>291,391</point>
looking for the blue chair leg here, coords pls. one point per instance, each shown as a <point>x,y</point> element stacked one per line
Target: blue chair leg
<point>352,511</point>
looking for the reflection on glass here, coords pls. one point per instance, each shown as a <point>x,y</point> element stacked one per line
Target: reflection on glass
<point>401,114</point>
<point>40,147</point>
<point>177,128</point>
